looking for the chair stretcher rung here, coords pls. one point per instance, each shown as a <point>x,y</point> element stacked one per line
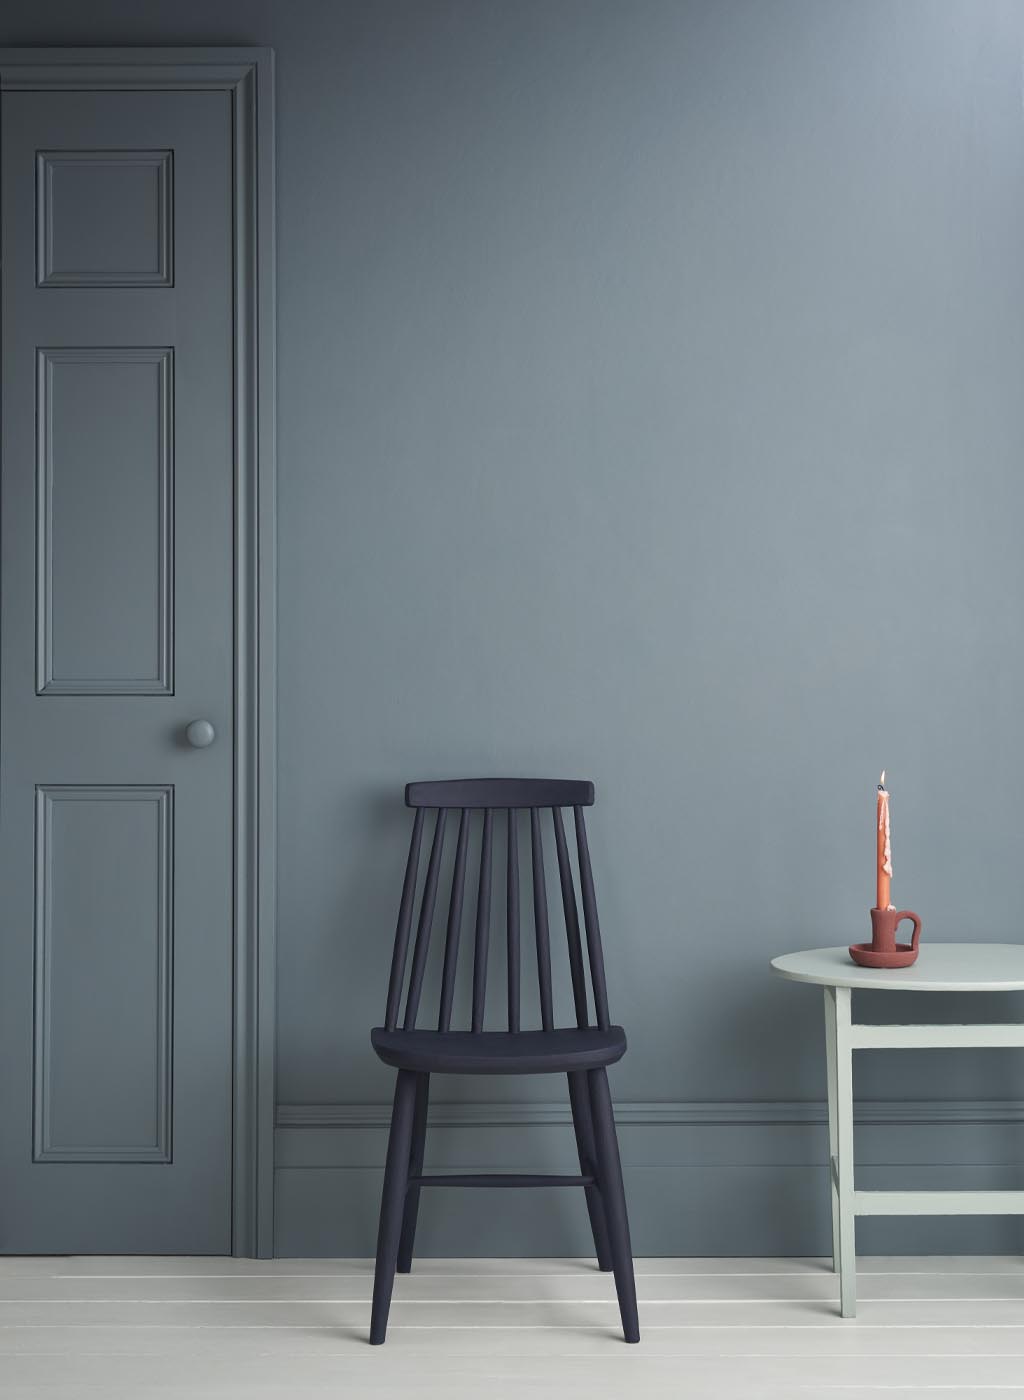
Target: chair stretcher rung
<point>500,1179</point>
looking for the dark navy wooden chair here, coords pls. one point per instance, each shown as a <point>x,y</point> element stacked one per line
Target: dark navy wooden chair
<point>581,1052</point>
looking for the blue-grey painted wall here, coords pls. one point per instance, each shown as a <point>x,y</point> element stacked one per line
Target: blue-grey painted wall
<point>650,411</point>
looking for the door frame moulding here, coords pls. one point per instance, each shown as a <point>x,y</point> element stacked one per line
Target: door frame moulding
<point>246,75</point>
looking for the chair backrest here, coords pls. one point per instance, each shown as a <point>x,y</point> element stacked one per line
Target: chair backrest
<point>477,800</point>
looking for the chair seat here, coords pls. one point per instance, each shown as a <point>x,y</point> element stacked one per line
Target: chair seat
<point>499,1052</point>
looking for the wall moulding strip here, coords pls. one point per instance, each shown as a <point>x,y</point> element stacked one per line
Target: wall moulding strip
<point>717,1113</point>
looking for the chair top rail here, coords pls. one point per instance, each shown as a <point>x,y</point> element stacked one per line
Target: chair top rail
<point>501,792</point>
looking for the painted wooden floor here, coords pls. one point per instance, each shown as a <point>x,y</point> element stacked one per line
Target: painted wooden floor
<point>221,1329</point>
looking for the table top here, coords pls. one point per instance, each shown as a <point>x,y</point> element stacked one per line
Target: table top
<point>940,967</point>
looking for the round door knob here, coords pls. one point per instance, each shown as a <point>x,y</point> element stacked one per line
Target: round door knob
<point>200,733</point>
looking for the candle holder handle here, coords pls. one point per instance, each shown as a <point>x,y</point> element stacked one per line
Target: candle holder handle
<point>915,937</point>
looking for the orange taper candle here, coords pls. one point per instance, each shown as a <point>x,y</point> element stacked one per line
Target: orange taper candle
<point>884,848</point>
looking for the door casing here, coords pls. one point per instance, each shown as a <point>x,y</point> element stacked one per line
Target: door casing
<point>247,76</point>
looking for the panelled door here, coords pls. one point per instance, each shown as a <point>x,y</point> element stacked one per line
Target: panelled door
<point>116,615</point>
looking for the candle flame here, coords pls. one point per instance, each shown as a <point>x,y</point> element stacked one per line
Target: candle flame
<point>881,781</point>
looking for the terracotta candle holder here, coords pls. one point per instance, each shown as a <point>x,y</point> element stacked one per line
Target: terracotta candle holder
<point>883,950</point>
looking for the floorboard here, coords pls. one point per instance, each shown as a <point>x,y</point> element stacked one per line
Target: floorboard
<point>507,1329</point>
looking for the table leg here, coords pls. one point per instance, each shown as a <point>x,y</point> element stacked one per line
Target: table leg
<point>833,1135</point>
<point>844,1152</point>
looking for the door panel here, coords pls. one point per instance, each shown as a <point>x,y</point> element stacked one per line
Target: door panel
<point>104,218</point>
<point>116,615</point>
<point>90,922</point>
<point>104,593</point>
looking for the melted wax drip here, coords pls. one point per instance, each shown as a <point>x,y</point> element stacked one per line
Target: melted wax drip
<point>883,825</point>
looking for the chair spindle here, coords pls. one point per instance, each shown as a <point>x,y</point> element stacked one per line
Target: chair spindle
<point>422,945</point>
<point>592,924</point>
<point>512,919</point>
<point>540,919</point>
<point>404,924</point>
<point>572,921</point>
<point>454,931</point>
<point>483,923</point>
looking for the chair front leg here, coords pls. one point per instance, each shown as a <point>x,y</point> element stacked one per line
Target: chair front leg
<point>613,1195</point>
<point>412,1195</point>
<point>392,1202</point>
<point>583,1123</point>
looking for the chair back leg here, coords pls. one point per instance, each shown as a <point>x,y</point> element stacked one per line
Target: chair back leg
<point>609,1180</point>
<point>582,1121</point>
<point>392,1203</point>
<point>412,1195</point>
